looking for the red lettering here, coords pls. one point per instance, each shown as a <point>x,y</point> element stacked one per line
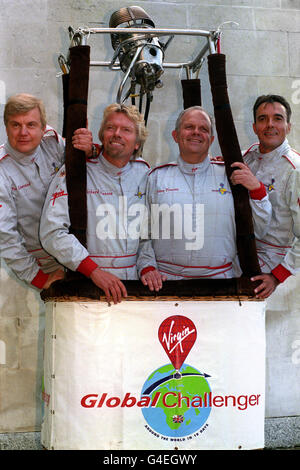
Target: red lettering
<point>242,402</point>
<point>144,402</point>
<point>57,195</point>
<point>128,401</point>
<point>101,401</point>
<point>87,403</point>
<point>155,399</point>
<point>218,401</point>
<point>227,398</point>
<point>170,400</point>
<point>113,402</point>
<point>165,400</point>
<point>197,402</point>
<point>207,403</point>
<point>253,400</point>
<point>180,398</point>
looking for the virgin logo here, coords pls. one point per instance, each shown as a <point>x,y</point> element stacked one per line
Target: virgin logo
<point>177,335</point>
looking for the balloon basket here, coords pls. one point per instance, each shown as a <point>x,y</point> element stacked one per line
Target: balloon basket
<point>154,374</point>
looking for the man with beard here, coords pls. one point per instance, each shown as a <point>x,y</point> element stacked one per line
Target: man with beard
<point>115,184</point>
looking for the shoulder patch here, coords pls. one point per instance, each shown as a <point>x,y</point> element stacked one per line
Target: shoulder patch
<point>4,156</point>
<point>289,160</point>
<point>140,160</point>
<point>50,132</point>
<point>162,166</point>
<point>216,161</point>
<point>249,149</point>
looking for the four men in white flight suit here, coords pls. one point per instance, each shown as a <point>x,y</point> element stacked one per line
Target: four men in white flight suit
<point>193,185</point>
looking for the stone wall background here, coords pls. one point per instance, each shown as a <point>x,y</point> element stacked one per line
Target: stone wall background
<point>262,57</point>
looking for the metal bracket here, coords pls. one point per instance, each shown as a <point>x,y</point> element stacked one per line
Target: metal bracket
<point>133,54</point>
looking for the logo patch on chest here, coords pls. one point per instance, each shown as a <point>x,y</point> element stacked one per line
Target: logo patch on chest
<point>139,194</point>
<point>57,195</point>
<point>271,186</point>
<point>221,190</point>
<point>55,168</point>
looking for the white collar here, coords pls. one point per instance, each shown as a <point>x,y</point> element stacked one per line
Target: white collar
<point>193,168</point>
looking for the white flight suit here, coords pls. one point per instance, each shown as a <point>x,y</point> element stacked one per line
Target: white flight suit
<point>279,171</point>
<point>115,203</point>
<point>202,243</point>
<point>24,181</point>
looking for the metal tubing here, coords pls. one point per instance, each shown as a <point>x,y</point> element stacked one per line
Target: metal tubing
<point>167,65</point>
<point>148,31</point>
<point>127,73</point>
<point>145,33</point>
<point>171,65</point>
<point>211,45</point>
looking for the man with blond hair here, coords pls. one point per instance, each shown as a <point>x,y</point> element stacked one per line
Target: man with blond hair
<point>115,194</point>
<point>29,159</point>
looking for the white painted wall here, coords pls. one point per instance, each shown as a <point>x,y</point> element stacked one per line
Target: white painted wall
<point>262,57</point>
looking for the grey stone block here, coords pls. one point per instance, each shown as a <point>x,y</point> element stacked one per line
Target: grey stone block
<point>241,48</point>
<point>282,432</point>
<point>20,441</point>
<point>277,20</point>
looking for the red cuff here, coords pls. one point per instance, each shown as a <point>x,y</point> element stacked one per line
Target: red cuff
<point>87,266</point>
<point>146,270</point>
<point>40,279</point>
<point>281,273</point>
<point>259,193</point>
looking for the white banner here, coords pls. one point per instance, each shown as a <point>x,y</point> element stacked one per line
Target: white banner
<point>154,375</point>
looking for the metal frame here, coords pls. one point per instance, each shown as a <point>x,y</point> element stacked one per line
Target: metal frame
<point>79,37</point>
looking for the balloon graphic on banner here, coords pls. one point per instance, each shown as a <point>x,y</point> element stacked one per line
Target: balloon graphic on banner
<point>177,335</point>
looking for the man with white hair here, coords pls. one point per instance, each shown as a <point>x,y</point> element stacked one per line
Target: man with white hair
<point>201,241</point>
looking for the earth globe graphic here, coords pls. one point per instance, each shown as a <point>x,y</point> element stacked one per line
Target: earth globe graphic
<point>173,420</point>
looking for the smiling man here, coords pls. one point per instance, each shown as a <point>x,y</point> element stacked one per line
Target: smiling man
<point>277,167</point>
<point>29,159</point>
<point>115,192</point>
<point>193,222</point>
<point>25,131</point>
